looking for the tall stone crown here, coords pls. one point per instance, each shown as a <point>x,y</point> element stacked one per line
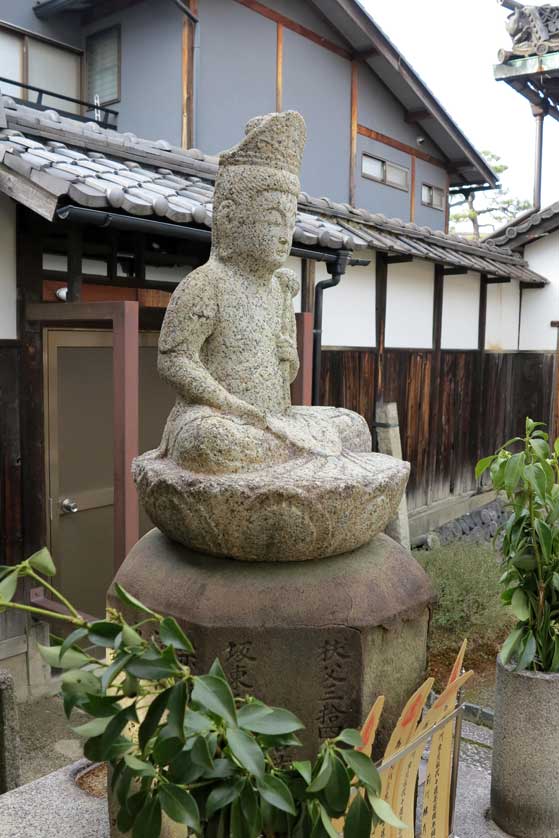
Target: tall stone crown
<point>274,141</point>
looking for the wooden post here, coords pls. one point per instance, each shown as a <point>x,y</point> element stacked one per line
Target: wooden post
<point>75,245</point>
<point>554,400</point>
<point>353,129</point>
<point>307,285</point>
<point>279,67</point>
<point>187,73</point>
<point>434,412</point>
<point>301,389</point>
<point>126,428</point>
<point>381,283</point>
<point>412,190</point>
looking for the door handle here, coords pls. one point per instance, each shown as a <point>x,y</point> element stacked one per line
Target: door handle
<point>69,505</point>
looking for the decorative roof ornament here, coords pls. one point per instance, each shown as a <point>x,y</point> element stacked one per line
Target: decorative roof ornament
<point>534,30</point>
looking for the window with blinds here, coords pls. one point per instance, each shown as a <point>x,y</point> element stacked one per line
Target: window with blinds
<point>102,55</point>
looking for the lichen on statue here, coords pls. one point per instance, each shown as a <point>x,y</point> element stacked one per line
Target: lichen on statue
<point>240,472</point>
<point>228,343</point>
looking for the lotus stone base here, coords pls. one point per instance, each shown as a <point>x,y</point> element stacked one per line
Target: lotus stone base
<point>308,508</point>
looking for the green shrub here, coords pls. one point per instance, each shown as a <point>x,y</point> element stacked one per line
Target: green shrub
<point>466,580</point>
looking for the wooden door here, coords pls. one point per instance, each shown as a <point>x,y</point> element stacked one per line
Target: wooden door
<point>79,454</point>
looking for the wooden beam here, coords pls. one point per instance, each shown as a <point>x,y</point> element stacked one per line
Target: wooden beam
<point>353,130</point>
<point>455,271</point>
<point>482,326</point>
<point>27,193</point>
<point>412,190</point>
<point>188,44</point>
<point>263,10</point>
<point>381,284</point>
<point>279,67</point>
<point>397,260</point>
<point>435,413</point>
<point>301,389</point>
<point>75,244</point>
<point>364,54</point>
<point>407,149</point>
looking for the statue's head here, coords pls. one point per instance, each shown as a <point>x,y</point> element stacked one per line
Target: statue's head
<point>256,191</point>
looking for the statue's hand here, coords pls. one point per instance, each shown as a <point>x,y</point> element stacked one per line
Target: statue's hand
<point>247,411</point>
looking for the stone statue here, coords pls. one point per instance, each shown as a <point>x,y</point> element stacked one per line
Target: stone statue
<point>534,30</point>
<point>240,472</point>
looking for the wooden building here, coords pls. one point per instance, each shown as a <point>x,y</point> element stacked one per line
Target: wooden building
<point>98,226</point>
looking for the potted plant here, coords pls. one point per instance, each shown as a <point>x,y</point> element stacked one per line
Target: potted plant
<point>524,797</point>
<point>185,756</point>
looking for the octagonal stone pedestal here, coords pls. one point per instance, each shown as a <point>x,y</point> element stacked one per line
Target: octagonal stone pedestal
<point>321,638</point>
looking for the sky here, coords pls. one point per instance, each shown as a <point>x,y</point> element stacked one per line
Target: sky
<point>452,45</point>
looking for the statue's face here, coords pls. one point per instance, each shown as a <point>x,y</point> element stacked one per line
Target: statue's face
<point>258,231</point>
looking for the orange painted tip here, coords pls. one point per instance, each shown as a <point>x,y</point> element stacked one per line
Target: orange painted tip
<point>414,710</point>
<point>457,668</point>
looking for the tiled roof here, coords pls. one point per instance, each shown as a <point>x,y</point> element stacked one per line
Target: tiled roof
<point>83,164</point>
<point>528,228</point>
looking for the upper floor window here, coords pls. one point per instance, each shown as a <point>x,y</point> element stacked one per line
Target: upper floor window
<point>385,172</point>
<point>42,63</point>
<point>102,56</point>
<point>432,196</point>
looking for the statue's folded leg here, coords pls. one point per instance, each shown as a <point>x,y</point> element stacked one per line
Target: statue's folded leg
<point>203,440</point>
<point>352,428</point>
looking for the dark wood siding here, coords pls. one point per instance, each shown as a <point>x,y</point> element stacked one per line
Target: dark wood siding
<point>447,420</point>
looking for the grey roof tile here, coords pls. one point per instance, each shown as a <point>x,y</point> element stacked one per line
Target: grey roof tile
<point>100,168</point>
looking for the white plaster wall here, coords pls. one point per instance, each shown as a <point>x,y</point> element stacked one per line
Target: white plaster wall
<point>460,319</point>
<point>541,305</point>
<point>409,305</point>
<point>8,286</point>
<point>502,320</point>
<point>348,316</point>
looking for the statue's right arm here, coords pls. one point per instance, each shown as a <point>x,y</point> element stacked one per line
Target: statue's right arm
<point>189,321</point>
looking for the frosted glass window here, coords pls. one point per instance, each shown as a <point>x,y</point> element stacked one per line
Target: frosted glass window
<point>55,69</point>
<point>389,173</point>
<point>11,62</point>
<point>373,167</point>
<point>103,66</point>
<point>396,176</point>
<point>432,196</point>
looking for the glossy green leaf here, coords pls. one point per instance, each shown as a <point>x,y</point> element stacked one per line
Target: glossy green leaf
<point>200,753</point>
<point>92,728</point>
<point>148,822</point>
<point>152,718</point>
<point>248,803</point>
<point>535,475</point>
<point>116,726</point>
<point>540,448</point>
<point>513,471</point>
<point>103,633</point>
<point>304,768</point>
<point>336,791</point>
<point>248,752</point>
<point>276,793</point>
<point>156,669</point>
<point>73,659</point>
<point>364,768</point>
<point>130,600</point>
<point>222,769</point>
<point>80,683</point>
<point>359,820</point>
<point>519,605</point>
<point>322,776</point>
<point>197,722</point>
<point>222,795</point>
<point>100,705</point>
<point>140,767</point>
<point>171,634</point>
<point>272,721</point>
<point>483,465</point>
<point>327,823</point>
<point>527,654</point>
<point>179,805</point>
<point>177,706</point>
<point>129,639</point>
<point>166,747</point>
<point>114,669</point>
<point>510,645</point>
<point>213,694</point>
<point>42,562</point>
<point>74,637</point>
<point>8,587</point>
<point>383,810</point>
<point>350,736</point>
<point>545,538</point>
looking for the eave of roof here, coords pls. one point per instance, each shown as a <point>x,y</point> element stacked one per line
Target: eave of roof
<point>48,161</point>
<point>528,228</point>
<point>465,163</point>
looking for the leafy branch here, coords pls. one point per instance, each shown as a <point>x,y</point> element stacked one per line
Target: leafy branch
<point>181,746</point>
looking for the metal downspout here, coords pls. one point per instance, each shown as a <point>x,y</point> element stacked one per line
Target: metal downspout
<point>336,270</point>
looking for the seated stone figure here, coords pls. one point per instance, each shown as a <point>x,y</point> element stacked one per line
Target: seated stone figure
<point>233,443</point>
